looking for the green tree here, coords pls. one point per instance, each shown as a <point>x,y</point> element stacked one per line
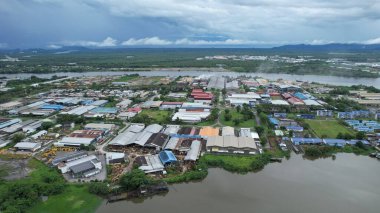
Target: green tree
<point>18,137</point>
<point>134,179</point>
<point>360,135</point>
<point>98,188</point>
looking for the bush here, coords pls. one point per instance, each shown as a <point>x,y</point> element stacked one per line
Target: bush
<point>98,188</point>
<point>134,179</point>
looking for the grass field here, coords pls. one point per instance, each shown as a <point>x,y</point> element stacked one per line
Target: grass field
<point>126,78</point>
<point>157,116</point>
<point>248,124</point>
<point>328,128</point>
<point>75,199</point>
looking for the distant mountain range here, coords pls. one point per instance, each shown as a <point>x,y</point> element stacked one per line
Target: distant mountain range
<point>338,47</point>
<point>329,47</point>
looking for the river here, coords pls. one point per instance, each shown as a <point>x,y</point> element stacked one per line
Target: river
<point>348,184</point>
<point>333,80</point>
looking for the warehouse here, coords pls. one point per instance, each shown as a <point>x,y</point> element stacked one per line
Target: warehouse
<point>28,146</point>
<point>228,131</point>
<point>149,163</point>
<point>171,129</point>
<point>82,167</point>
<point>309,102</point>
<point>5,122</point>
<point>128,135</point>
<point>310,141</point>
<point>124,104</point>
<point>233,85</point>
<point>141,138</point>
<point>74,141</point>
<point>100,126</point>
<point>27,107</point>
<point>55,107</point>
<point>16,127</point>
<point>279,102</point>
<point>193,153</point>
<point>79,110</point>
<point>167,157</point>
<point>172,143</point>
<point>104,110</point>
<point>99,103</point>
<point>208,131</point>
<point>115,157</point>
<point>170,105</point>
<point>10,105</point>
<point>157,140</point>
<point>190,116</point>
<point>39,134</point>
<point>231,144</point>
<point>71,156</point>
<point>216,82</point>
<point>32,127</point>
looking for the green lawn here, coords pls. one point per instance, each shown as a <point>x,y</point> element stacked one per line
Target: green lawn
<point>75,199</point>
<point>245,124</point>
<point>157,116</point>
<point>127,78</point>
<point>328,128</point>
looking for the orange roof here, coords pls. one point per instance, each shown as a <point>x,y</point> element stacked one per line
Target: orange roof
<point>209,131</point>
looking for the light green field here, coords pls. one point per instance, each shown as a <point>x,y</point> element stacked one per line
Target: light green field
<point>245,124</point>
<point>75,199</point>
<point>328,128</point>
<point>158,116</point>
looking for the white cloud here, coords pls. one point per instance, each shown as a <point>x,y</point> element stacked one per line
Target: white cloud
<point>146,41</point>
<point>54,46</point>
<point>372,41</point>
<point>108,42</point>
<point>247,19</point>
<point>153,41</point>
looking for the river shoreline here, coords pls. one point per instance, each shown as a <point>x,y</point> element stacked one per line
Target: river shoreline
<point>332,80</point>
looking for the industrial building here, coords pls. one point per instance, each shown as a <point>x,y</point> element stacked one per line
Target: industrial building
<point>27,146</point>
<point>231,144</point>
<point>83,167</point>
<point>216,82</point>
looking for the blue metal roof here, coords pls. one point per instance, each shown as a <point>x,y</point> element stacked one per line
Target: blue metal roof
<point>167,157</point>
<point>300,96</point>
<point>52,106</point>
<point>298,141</point>
<point>294,128</point>
<point>335,142</point>
<point>273,121</point>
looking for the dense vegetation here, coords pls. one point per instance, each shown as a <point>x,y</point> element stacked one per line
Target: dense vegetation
<point>20,195</point>
<point>128,59</point>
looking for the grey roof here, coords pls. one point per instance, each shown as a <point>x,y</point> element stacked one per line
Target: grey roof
<point>171,129</point>
<point>69,156</point>
<point>153,128</point>
<point>245,132</point>
<point>136,128</point>
<point>193,153</point>
<point>82,167</point>
<point>172,143</point>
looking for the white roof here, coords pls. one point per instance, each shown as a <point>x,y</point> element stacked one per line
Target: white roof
<point>153,128</point>
<point>231,141</point>
<point>193,153</point>
<point>279,102</point>
<point>123,138</point>
<point>79,110</point>
<point>99,126</point>
<point>171,129</point>
<point>154,164</point>
<point>27,145</point>
<point>255,135</point>
<point>172,143</point>
<point>249,95</point>
<point>76,141</point>
<point>227,130</point>
<point>311,102</point>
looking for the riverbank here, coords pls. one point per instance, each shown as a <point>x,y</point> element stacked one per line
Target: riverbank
<point>332,80</point>
<point>347,184</point>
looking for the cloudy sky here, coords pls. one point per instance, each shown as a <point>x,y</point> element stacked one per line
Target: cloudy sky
<point>178,23</point>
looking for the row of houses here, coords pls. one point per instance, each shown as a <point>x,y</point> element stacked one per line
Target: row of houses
<point>325,141</point>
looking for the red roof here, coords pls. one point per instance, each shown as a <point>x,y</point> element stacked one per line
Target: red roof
<point>134,109</point>
<point>286,95</point>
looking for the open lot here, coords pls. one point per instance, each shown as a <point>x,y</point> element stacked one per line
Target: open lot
<point>327,128</point>
<point>156,116</point>
<point>75,198</point>
<point>236,115</point>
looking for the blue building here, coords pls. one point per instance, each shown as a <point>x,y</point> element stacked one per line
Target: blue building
<point>279,115</point>
<point>55,107</point>
<point>311,141</point>
<point>167,157</point>
<point>294,128</point>
<point>300,96</point>
<point>306,116</point>
<point>335,142</point>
